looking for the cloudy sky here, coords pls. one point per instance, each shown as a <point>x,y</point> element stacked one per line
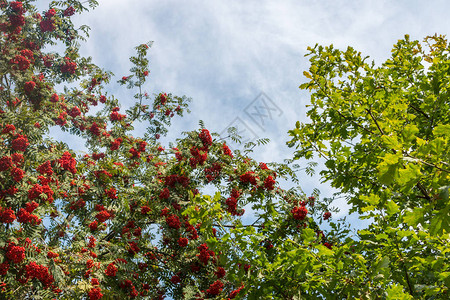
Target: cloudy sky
<point>236,59</point>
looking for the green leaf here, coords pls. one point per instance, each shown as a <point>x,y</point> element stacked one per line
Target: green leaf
<point>388,169</point>
<point>409,176</point>
<point>444,193</point>
<point>404,233</point>
<point>442,130</point>
<point>308,235</point>
<point>372,199</point>
<point>414,217</point>
<point>383,263</point>
<point>444,275</point>
<point>391,207</point>
<point>324,251</point>
<point>395,292</point>
<point>381,236</point>
<point>440,222</point>
<point>391,141</point>
<point>364,232</point>
<point>307,75</point>
<point>368,208</point>
<point>409,132</point>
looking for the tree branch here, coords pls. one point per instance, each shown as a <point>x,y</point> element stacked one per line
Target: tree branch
<point>427,163</point>
<point>376,123</point>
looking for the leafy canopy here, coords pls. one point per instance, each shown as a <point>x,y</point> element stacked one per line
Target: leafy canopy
<point>128,218</point>
<point>384,133</point>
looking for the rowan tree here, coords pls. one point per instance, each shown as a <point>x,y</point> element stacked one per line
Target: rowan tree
<point>128,217</point>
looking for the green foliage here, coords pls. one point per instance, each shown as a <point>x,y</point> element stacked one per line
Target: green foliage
<point>130,218</point>
<point>383,131</point>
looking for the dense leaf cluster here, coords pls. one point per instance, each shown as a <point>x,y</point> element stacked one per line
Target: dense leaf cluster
<point>384,132</point>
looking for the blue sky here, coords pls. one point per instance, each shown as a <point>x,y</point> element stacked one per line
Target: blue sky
<point>224,54</point>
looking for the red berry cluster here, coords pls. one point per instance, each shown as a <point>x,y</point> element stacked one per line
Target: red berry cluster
<point>48,23</point>
<point>299,212</point>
